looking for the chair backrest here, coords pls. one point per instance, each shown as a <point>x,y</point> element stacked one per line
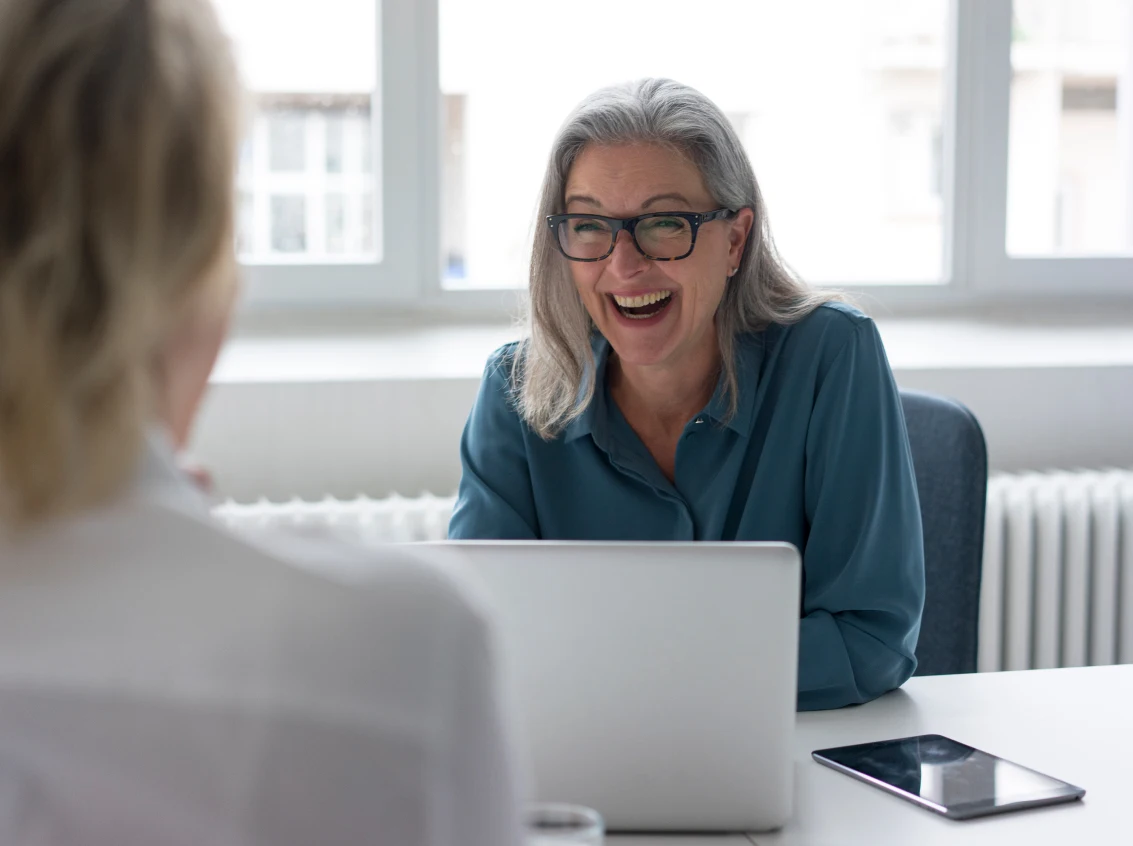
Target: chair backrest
<point>950,461</point>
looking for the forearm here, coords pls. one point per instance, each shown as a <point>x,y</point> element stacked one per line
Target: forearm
<point>848,659</point>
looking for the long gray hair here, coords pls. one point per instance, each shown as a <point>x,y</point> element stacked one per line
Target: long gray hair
<point>554,370</point>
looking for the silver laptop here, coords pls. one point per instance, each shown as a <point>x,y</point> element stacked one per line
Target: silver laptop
<point>656,681</point>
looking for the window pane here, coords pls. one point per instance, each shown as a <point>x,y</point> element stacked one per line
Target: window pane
<point>1070,177</point>
<point>367,222</point>
<point>335,138</point>
<point>287,135</point>
<point>454,205</point>
<point>840,106</point>
<point>336,223</point>
<point>289,224</point>
<point>366,152</point>
<point>312,67</point>
<point>245,222</point>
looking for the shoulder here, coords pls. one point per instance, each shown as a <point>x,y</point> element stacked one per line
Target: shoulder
<point>371,579</point>
<point>500,380</point>
<point>375,628</point>
<point>307,617</point>
<point>331,594</point>
<point>831,324</point>
<point>837,312</point>
<point>496,408</point>
<point>820,337</point>
<point>501,364</point>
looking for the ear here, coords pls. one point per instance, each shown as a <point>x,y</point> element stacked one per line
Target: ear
<point>738,234</point>
<point>187,356</point>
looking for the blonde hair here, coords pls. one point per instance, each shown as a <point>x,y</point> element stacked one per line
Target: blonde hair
<point>553,373</point>
<point>119,121</point>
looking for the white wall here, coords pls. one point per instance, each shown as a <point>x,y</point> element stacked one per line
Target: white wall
<point>356,422</point>
<point>1051,417</point>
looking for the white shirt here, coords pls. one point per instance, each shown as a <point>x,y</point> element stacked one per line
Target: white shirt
<point>164,682</point>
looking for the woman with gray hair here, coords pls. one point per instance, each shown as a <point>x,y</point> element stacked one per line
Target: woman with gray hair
<point>679,383</point>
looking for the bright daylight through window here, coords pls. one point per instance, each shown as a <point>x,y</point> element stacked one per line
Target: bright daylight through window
<point>840,106</point>
<point>306,185</point>
<point>1070,188</point>
<point>940,147</point>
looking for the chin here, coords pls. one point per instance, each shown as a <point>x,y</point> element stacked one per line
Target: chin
<point>640,353</point>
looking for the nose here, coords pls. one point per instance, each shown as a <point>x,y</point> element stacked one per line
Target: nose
<point>626,261</point>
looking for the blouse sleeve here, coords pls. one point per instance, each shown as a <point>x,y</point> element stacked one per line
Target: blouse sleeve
<point>863,562</point>
<point>495,498</point>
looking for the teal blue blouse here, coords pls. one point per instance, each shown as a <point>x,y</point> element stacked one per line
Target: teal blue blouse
<point>816,455</point>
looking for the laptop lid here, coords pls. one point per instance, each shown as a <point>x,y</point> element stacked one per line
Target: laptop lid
<point>656,681</point>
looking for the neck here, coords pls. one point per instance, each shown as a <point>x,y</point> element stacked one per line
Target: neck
<point>670,394</point>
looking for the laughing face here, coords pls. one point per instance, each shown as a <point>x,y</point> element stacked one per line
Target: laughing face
<point>653,313</point>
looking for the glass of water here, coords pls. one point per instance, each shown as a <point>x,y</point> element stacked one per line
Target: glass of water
<point>551,824</point>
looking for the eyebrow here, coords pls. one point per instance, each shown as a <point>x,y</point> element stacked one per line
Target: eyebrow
<point>583,198</point>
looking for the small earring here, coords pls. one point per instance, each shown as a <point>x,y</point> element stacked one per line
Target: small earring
<point>733,271</point>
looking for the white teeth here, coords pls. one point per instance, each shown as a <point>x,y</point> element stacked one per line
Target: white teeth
<point>643,300</point>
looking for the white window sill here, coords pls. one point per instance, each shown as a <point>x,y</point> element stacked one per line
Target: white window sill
<point>459,351</point>
<point>349,407</point>
<point>391,353</point>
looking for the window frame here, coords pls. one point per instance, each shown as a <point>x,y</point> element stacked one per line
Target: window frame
<point>994,271</point>
<point>408,121</point>
<point>404,185</point>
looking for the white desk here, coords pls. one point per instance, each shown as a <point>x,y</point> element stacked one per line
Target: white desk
<point>679,840</point>
<point>1072,724</point>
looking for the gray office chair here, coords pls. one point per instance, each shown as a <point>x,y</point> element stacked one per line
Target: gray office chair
<point>950,462</point>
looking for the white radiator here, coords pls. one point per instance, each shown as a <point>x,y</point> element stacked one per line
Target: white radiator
<point>394,519</point>
<point>1057,572</point>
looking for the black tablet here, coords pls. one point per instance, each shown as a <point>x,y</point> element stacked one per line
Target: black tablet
<point>947,777</point>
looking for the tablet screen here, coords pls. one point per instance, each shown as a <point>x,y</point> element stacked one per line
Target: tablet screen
<point>948,774</point>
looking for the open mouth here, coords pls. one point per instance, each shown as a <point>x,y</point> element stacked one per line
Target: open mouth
<point>644,306</point>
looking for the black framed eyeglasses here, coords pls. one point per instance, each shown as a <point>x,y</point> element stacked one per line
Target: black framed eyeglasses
<point>659,236</point>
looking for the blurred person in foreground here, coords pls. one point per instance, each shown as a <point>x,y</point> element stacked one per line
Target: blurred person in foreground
<point>161,680</point>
